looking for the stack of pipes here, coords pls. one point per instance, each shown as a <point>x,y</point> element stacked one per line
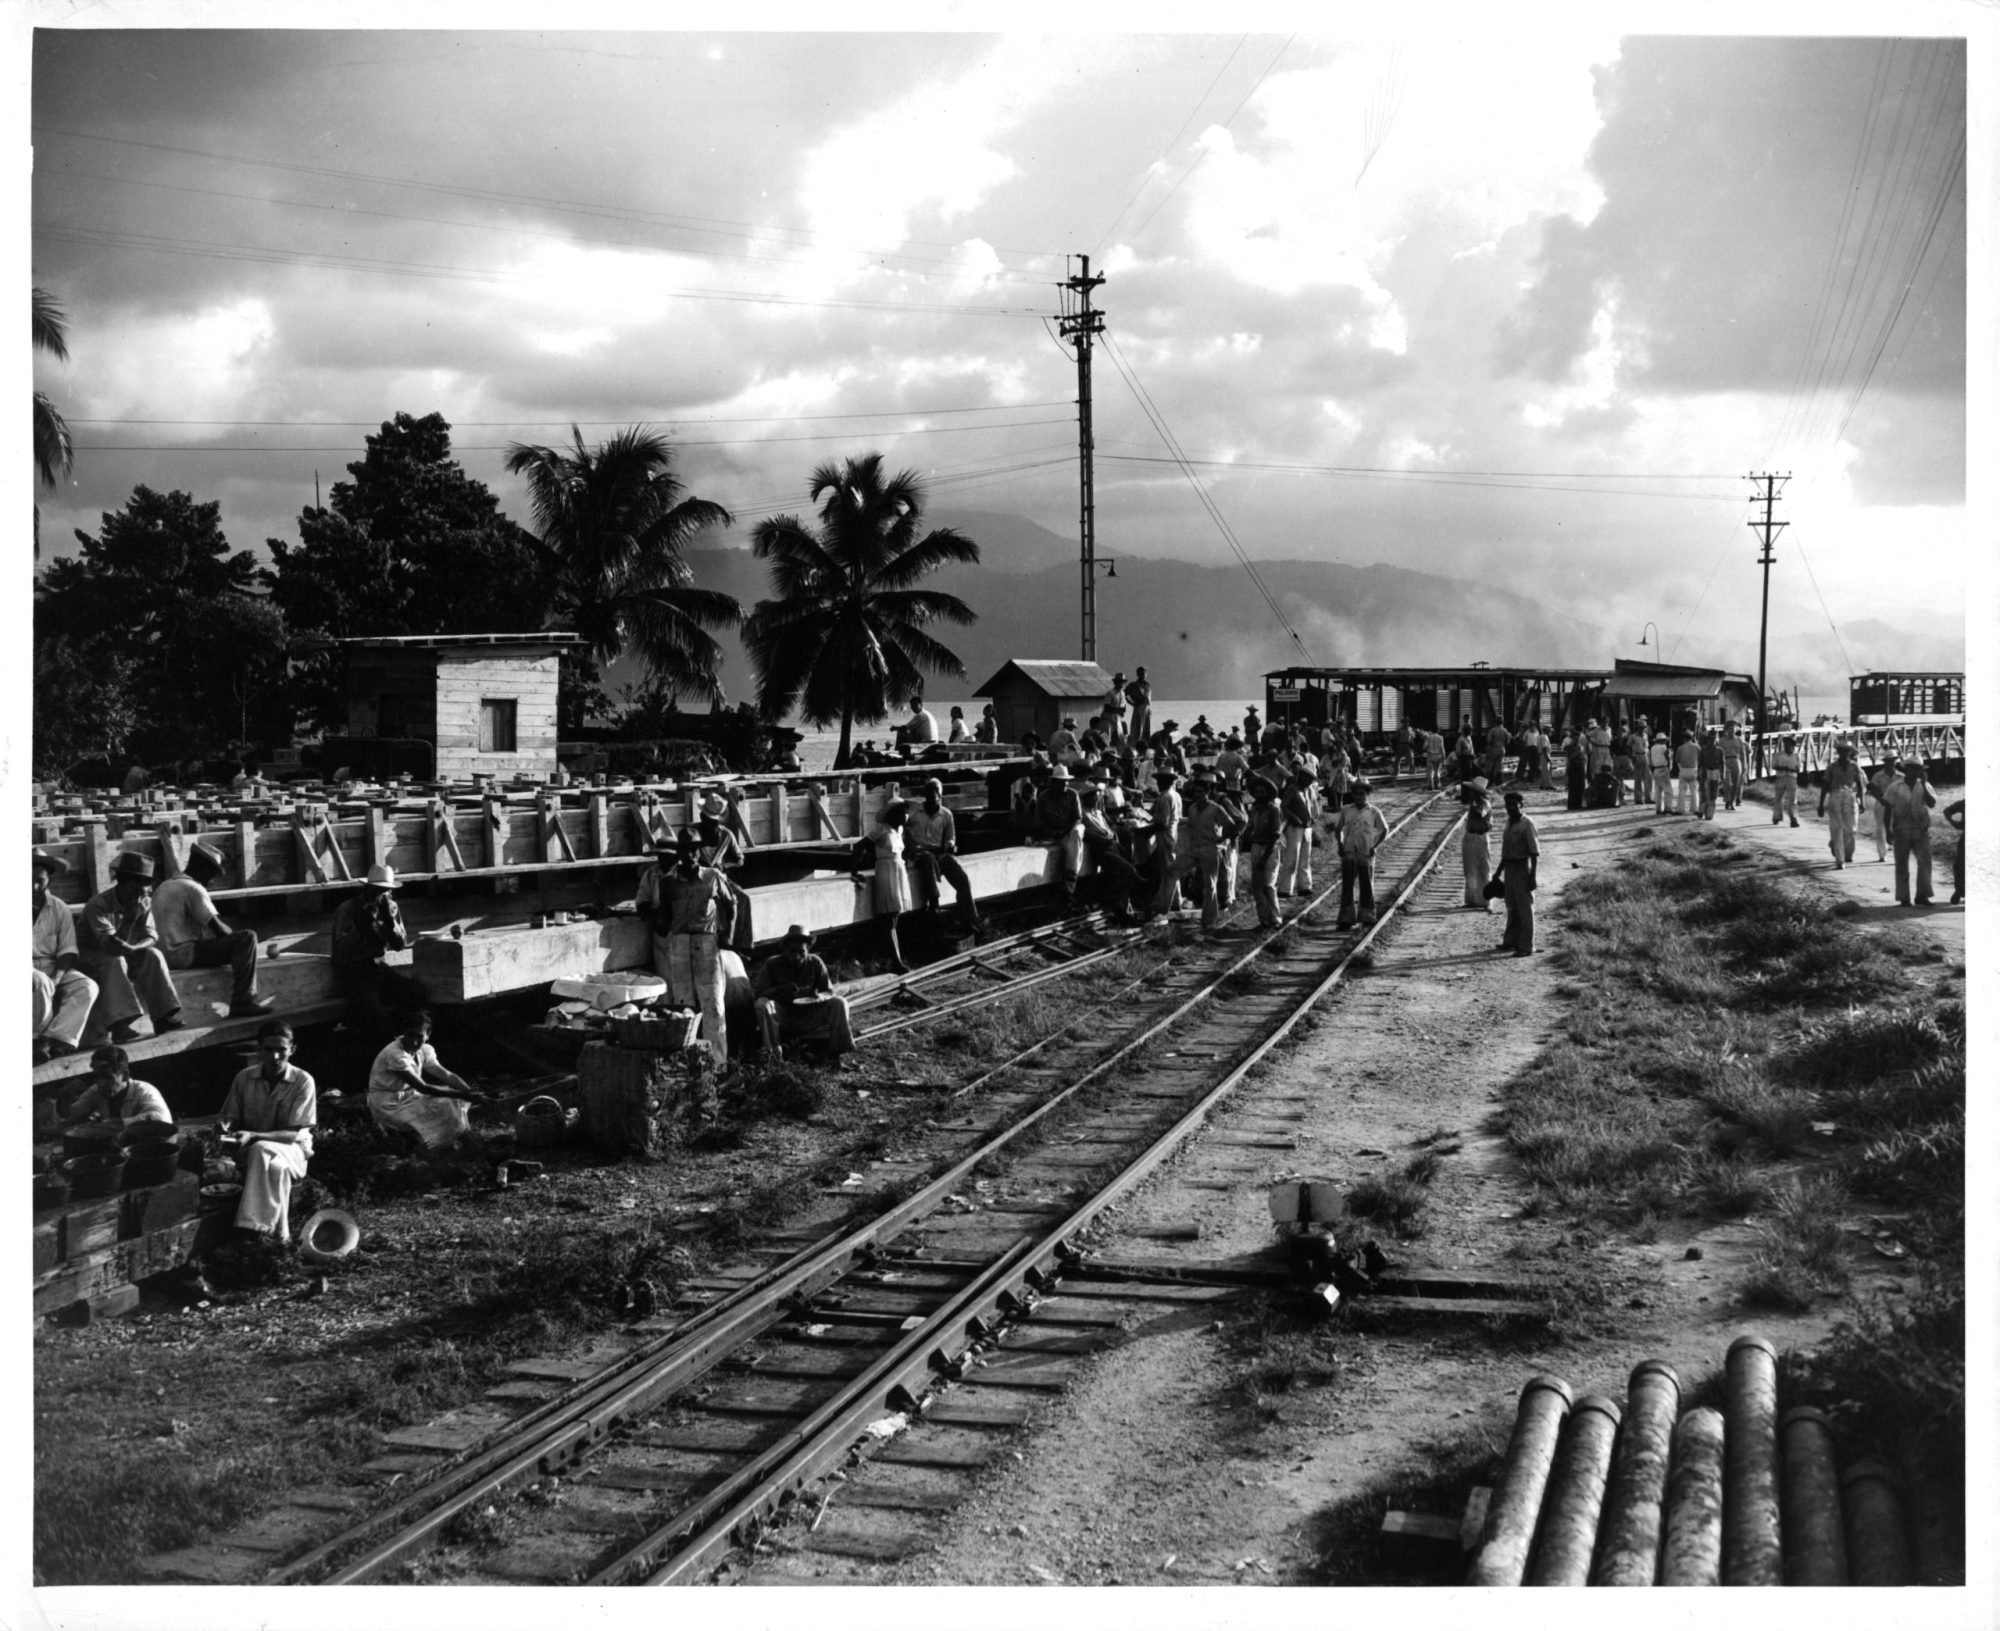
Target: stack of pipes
<point>1592,1494</point>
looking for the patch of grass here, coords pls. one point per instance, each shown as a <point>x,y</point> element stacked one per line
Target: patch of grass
<point>1802,1251</point>
<point>1397,1199</point>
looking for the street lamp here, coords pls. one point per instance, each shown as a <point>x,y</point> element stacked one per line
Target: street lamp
<point>1650,624</point>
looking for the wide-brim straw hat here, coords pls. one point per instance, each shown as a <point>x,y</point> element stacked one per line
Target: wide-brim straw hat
<point>328,1236</point>
<point>1059,774</point>
<point>132,865</point>
<point>382,876</point>
<point>714,806</point>
<point>797,935</point>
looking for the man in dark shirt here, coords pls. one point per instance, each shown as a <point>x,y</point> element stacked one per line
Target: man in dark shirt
<point>795,999</point>
<point>366,928</point>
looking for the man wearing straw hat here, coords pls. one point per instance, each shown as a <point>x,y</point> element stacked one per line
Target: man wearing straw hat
<point>193,935</point>
<point>795,999</point>
<point>366,928</point>
<point>1840,796</point>
<point>63,994</point>
<point>685,908</point>
<point>121,953</point>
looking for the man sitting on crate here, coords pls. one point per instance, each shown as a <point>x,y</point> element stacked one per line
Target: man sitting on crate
<point>63,995</point>
<point>796,1001</point>
<point>690,911</point>
<point>269,1113</point>
<point>122,954</point>
<point>365,929</point>
<point>193,935</point>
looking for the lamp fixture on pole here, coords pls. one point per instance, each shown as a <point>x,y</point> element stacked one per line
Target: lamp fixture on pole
<point>1108,562</point>
<point>1650,624</point>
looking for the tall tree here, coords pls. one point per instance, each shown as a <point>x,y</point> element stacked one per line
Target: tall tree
<point>615,522</point>
<point>410,544</point>
<point>55,455</point>
<point>159,598</point>
<point>844,637</point>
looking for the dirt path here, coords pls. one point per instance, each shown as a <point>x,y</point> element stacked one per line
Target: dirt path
<point>1197,1453</point>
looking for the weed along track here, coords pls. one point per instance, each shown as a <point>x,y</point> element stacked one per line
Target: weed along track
<point>731,1408</point>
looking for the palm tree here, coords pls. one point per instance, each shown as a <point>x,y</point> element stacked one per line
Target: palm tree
<point>54,453</point>
<point>844,639</point>
<point>614,522</point>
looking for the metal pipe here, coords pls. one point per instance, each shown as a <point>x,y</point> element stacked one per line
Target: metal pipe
<point>1517,1493</point>
<point>1691,1551</point>
<point>1752,1537</point>
<point>1937,1550</point>
<point>1878,1552</point>
<point>1815,1549</point>
<point>1628,1552</point>
<point>1575,1495</point>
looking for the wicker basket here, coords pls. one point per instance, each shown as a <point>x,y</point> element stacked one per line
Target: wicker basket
<point>540,1122</point>
<point>669,1033</point>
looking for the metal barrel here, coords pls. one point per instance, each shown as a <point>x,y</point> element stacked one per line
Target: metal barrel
<point>1815,1545</point>
<point>1878,1552</point>
<point>1752,1545</point>
<point>1628,1546</point>
<point>1691,1548</point>
<point>1575,1495</point>
<point>1937,1550</point>
<point>1517,1494</point>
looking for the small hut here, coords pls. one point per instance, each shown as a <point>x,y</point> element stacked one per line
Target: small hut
<point>1034,694</point>
<point>1673,691</point>
<point>486,703</point>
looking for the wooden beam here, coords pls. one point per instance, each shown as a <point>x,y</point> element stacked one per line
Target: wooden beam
<point>737,821</point>
<point>173,848</point>
<point>96,855</point>
<point>552,842</point>
<point>304,836</point>
<point>494,827</point>
<point>824,826</point>
<point>598,822</point>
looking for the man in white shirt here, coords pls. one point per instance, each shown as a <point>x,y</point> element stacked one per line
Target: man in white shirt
<point>930,840</point>
<point>63,993</point>
<point>1361,831</point>
<point>193,935</point>
<point>923,723</point>
<point>269,1111</point>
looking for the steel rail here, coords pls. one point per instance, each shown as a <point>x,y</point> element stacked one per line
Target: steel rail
<point>562,1429</point>
<point>927,1351</point>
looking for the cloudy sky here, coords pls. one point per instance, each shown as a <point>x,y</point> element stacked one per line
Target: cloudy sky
<point>1524,304</point>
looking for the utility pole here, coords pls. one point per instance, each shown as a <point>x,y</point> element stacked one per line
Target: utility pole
<point>1767,530</point>
<point>1082,323</point>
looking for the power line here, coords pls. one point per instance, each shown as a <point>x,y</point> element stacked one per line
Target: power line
<point>495,195</point>
<point>1199,158</point>
<point>502,447</point>
<point>1172,142</point>
<point>209,249</point>
<point>502,424</point>
<point>347,211</point>
<point>1158,420</point>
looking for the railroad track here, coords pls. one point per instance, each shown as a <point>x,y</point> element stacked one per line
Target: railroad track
<point>753,1389</point>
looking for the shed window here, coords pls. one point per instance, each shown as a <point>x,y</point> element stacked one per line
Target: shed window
<point>496,724</point>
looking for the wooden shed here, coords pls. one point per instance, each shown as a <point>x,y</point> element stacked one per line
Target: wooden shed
<point>485,702</point>
<point>1031,694</point>
<point>1677,693</point>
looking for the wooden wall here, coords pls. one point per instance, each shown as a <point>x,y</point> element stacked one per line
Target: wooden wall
<point>464,680</point>
<point>384,683</point>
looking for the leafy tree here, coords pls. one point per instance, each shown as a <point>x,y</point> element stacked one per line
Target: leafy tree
<point>85,705</point>
<point>845,638</point>
<point>158,597</point>
<point>410,545</point>
<point>615,522</point>
<point>55,455</point>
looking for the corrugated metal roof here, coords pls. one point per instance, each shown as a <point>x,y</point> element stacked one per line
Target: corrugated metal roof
<point>1051,678</point>
<point>1667,686</point>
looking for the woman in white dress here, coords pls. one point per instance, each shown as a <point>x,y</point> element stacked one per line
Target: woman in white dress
<point>893,892</point>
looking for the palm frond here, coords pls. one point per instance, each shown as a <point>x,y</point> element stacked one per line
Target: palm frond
<point>51,326</point>
<point>918,606</point>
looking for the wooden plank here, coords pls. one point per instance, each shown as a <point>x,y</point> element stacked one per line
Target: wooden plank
<point>874,1548</point>
<point>460,1430</point>
<point>894,1498</point>
<point>598,823</point>
<point>951,1411</point>
<point>493,829</point>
